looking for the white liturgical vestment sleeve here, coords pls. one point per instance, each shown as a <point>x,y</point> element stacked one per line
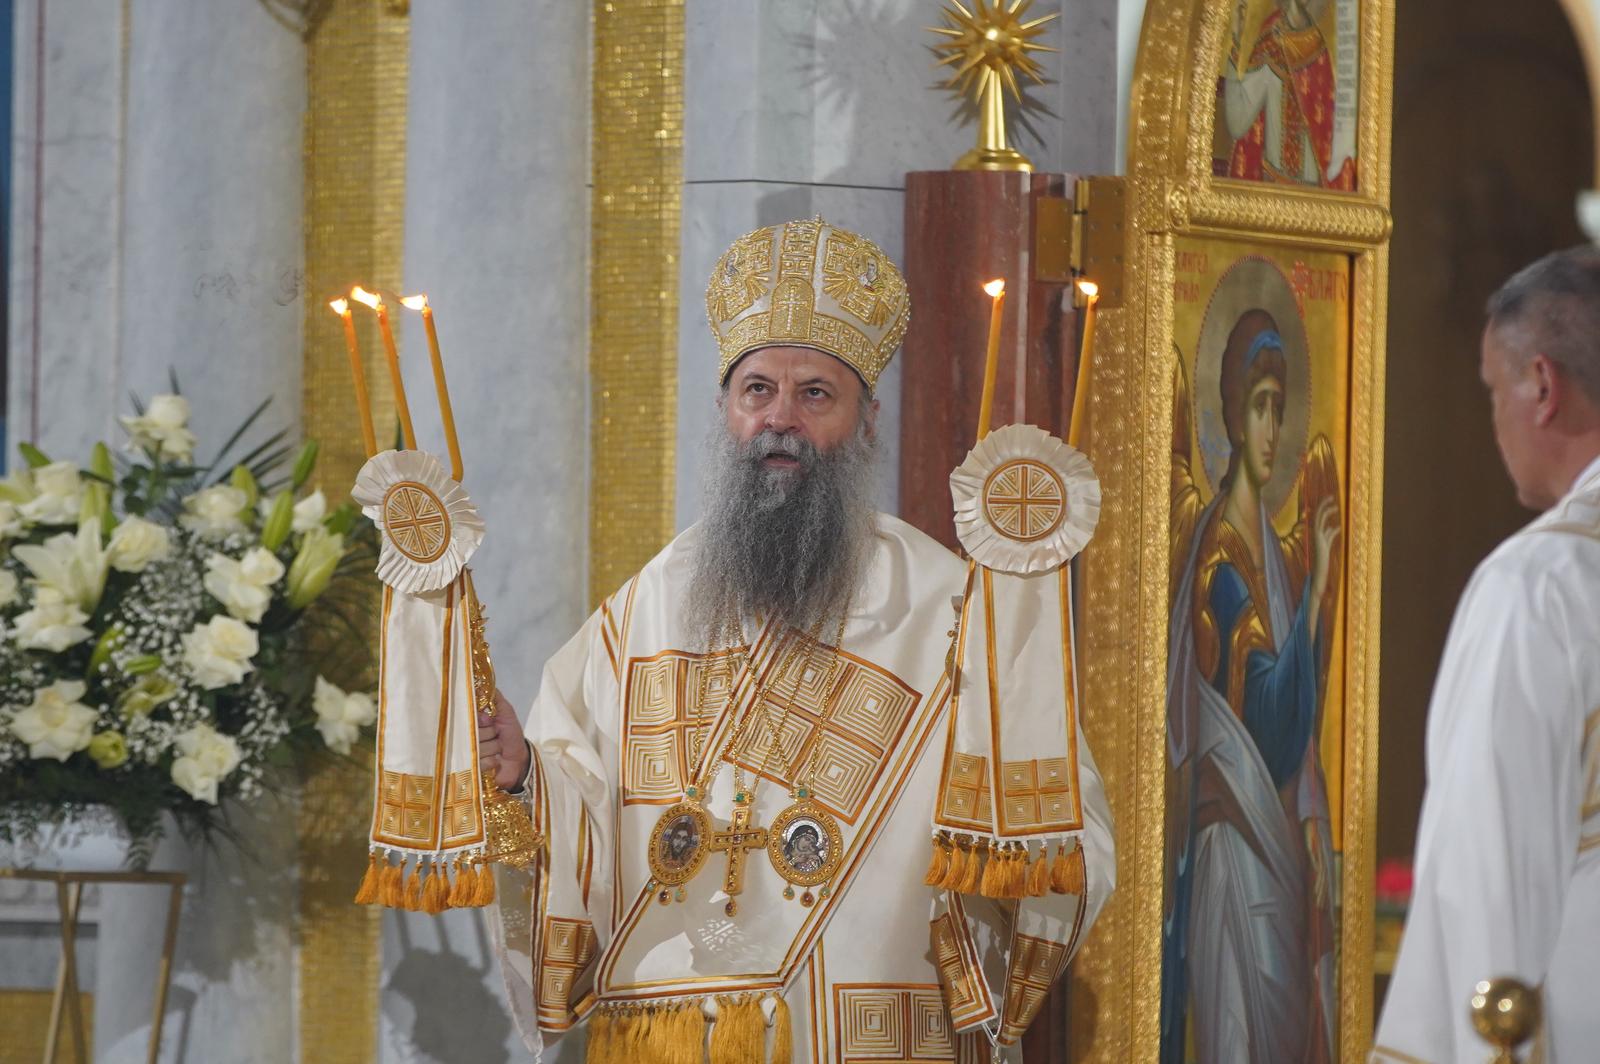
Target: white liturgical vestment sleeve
<point>1508,850</point>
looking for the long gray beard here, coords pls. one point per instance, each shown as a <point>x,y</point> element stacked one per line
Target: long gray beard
<point>793,544</point>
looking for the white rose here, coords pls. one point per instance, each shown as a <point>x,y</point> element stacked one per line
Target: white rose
<point>243,587</point>
<point>215,512</point>
<point>205,757</point>
<point>218,652</point>
<point>8,588</point>
<point>59,495</point>
<point>74,565</point>
<point>56,724</point>
<point>309,511</point>
<point>341,715</point>
<point>162,429</point>
<point>261,566</point>
<point>11,523</point>
<point>53,624</point>
<point>136,543</point>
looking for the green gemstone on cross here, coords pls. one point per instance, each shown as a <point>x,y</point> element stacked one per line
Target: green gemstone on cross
<point>692,792</point>
<point>801,792</point>
<point>741,797</point>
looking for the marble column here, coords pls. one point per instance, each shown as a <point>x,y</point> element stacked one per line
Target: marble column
<point>496,233</point>
<point>155,215</point>
<point>823,106</point>
<point>156,223</point>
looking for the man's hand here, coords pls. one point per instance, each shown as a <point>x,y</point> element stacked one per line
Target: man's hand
<point>501,749</point>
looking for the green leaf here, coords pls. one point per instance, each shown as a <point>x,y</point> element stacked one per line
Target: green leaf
<point>305,463</point>
<point>238,433</point>
<point>33,456</point>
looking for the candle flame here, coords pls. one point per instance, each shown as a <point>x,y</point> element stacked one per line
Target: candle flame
<point>361,295</point>
<point>340,306</point>
<point>1089,289</point>
<point>416,302</point>
<point>995,287</point>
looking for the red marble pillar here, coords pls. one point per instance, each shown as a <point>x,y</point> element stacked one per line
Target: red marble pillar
<point>963,228</point>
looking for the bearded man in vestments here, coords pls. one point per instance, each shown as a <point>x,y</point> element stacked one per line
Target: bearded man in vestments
<point>1508,849</point>
<point>779,672</point>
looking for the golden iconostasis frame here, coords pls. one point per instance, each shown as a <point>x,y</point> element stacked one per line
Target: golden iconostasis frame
<point>1171,196</point>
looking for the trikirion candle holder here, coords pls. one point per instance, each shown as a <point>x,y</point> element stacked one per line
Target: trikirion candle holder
<point>433,809</point>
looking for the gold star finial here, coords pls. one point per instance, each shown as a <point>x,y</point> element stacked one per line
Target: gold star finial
<point>987,45</point>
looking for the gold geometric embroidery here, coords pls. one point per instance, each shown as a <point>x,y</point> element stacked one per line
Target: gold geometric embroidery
<point>461,825</point>
<point>739,279</point>
<point>405,808</point>
<point>1037,795</point>
<point>966,801</point>
<point>865,707</point>
<point>904,1023</point>
<point>853,274</point>
<point>670,697</point>
<point>957,979</point>
<point>1035,963</point>
<point>569,946</point>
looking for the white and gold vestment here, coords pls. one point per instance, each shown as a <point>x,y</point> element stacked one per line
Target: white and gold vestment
<point>881,964</point>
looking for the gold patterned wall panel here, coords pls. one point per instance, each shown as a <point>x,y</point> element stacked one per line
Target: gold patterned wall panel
<point>1173,202</point>
<point>357,59</point>
<point>637,138</point>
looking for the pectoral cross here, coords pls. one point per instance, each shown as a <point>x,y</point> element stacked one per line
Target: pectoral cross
<point>740,838</point>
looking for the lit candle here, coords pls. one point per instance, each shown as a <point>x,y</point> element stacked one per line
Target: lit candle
<point>1080,390</point>
<point>358,374</point>
<point>375,301</point>
<point>420,302</point>
<point>991,366</point>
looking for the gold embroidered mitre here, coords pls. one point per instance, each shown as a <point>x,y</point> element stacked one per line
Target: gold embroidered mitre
<point>808,284</point>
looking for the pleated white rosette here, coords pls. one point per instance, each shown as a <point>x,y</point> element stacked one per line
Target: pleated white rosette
<point>430,527</point>
<point>1025,501</point>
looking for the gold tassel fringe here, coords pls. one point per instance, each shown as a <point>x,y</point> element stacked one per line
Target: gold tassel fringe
<point>939,863</point>
<point>435,889</point>
<point>782,1035</point>
<point>413,895</point>
<point>994,875</point>
<point>391,888</point>
<point>599,1038</point>
<point>956,868</point>
<point>739,1034</point>
<point>1067,871</point>
<point>484,895</point>
<point>367,893</point>
<point>973,875</point>
<point>461,889</point>
<point>1039,874</point>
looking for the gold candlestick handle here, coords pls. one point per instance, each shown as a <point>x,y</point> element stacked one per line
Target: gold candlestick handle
<point>1506,1013</point>
<point>511,837</point>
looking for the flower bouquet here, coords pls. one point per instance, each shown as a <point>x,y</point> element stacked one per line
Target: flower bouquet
<point>165,627</point>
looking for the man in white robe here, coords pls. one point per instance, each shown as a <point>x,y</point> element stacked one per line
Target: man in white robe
<point>1508,850</point>
<point>792,646</point>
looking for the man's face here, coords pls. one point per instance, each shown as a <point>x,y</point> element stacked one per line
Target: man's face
<point>1514,396</point>
<point>794,391</point>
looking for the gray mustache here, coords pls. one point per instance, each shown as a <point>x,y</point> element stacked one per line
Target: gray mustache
<point>770,442</point>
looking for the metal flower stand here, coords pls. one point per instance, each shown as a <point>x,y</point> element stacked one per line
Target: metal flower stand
<point>69,892</point>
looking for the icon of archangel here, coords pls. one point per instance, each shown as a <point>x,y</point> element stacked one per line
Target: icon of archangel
<point>1249,972</point>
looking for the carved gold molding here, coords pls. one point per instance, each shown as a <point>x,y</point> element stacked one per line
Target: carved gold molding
<point>1116,985</point>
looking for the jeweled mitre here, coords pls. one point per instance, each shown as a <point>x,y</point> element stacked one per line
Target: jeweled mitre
<point>808,284</point>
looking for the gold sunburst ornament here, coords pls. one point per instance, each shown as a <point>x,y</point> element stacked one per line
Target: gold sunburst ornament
<point>988,45</point>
